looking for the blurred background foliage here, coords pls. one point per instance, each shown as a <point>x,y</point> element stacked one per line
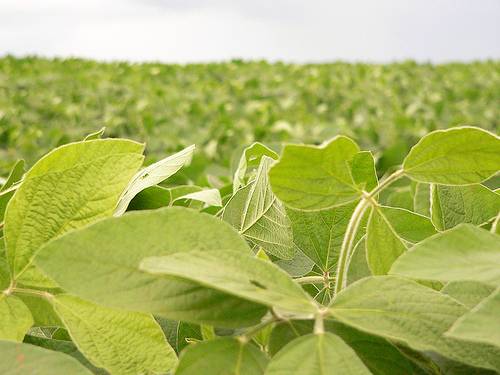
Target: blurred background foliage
<point>224,107</point>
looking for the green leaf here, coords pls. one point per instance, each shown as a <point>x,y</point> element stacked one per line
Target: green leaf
<point>409,226</point>
<point>363,170</point>
<point>150,198</point>
<point>236,274</point>
<point>95,135</point>
<point>457,156</point>
<point>462,253</point>
<point>108,272</point>
<point>481,323</point>
<point>251,157</point>
<point>153,175</point>
<point>383,245</point>
<point>121,342</point>
<point>470,293</point>
<point>379,355</point>
<point>358,264</point>
<point>222,356</point>
<point>15,318</point>
<point>209,197</point>
<point>323,354</point>
<point>319,234</point>
<point>20,358</point>
<point>68,188</point>
<point>15,175</point>
<point>452,205</point>
<point>42,311</point>
<point>409,313</point>
<point>257,215</point>
<point>298,266</point>
<point>314,178</point>
<point>422,199</point>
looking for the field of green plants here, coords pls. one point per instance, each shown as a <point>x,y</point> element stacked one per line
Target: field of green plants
<point>277,219</point>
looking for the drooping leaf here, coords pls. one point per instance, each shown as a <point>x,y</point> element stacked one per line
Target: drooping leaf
<point>95,135</point>
<point>452,205</point>
<point>457,156</point>
<point>121,342</point>
<point>222,356</point>
<point>153,175</point>
<point>236,274</point>
<point>261,218</point>
<point>470,293</point>
<point>15,318</point>
<point>481,323</point>
<point>68,188</point>
<point>108,272</point>
<point>321,354</point>
<point>314,178</point>
<point>209,197</point>
<point>462,253</point>
<point>383,245</point>
<point>409,313</point>
<point>251,157</point>
<point>18,358</point>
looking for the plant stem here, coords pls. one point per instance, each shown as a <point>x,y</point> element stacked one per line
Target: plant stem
<point>39,293</point>
<point>352,229</point>
<point>247,336</point>
<point>319,323</point>
<point>312,279</point>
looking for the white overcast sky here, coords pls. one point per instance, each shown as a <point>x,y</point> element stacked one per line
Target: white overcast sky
<point>288,30</point>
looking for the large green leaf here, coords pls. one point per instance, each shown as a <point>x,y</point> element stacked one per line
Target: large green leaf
<point>121,342</point>
<point>240,275</point>
<point>227,356</point>
<point>409,313</point>
<point>15,318</point>
<point>314,178</point>
<point>457,156</point>
<point>100,263</point>
<point>452,205</point>
<point>319,234</point>
<point>17,358</point>
<point>462,253</point>
<point>69,188</point>
<point>261,218</point>
<point>153,175</point>
<point>481,323</point>
<point>322,354</point>
<point>383,245</point>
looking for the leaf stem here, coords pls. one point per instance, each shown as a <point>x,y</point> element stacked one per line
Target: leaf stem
<point>40,293</point>
<point>353,226</point>
<point>319,322</point>
<point>312,279</point>
<point>247,336</point>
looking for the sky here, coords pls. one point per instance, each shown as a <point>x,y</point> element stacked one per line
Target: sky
<point>182,31</point>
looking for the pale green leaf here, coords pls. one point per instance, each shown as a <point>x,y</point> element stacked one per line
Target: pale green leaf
<point>209,197</point>
<point>120,342</point>
<point>462,253</point>
<point>226,356</point>
<point>409,313</point>
<point>108,272</point>
<point>481,324</point>
<point>250,157</point>
<point>153,175</point>
<point>314,178</point>
<point>95,135</point>
<point>260,217</point>
<point>236,274</point>
<point>42,310</point>
<point>363,170</point>
<point>15,318</point>
<point>457,156</point>
<point>68,188</point>
<point>323,354</point>
<point>15,175</point>
<point>358,263</point>
<point>383,245</point>
<point>470,293</point>
<point>298,266</point>
<point>17,358</point>
<point>452,205</point>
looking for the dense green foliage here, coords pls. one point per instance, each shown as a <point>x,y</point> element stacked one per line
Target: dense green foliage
<point>302,262</point>
<point>224,107</point>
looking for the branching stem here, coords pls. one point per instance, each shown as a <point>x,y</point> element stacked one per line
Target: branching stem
<point>353,226</point>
